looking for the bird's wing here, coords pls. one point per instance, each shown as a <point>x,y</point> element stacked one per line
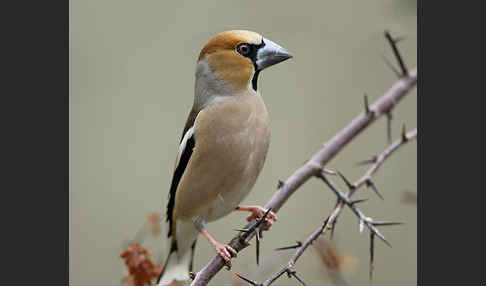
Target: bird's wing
<point>185,151</point>
<point>190,121</point>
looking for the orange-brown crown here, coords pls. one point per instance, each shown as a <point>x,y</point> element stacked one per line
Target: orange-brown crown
<point>228,40</point>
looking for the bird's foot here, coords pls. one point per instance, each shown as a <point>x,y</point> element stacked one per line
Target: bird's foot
<point>226,252</point>
<point>258,212</point>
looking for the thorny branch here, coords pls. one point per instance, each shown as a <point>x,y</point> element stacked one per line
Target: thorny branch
<point>315,166</point>
<point>378,160</point>
<point>345,199</point>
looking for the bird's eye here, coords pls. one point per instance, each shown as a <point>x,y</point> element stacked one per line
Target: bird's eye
<point>244,49</point>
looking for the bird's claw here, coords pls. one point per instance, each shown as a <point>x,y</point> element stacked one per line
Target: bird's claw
<point>226,252</point>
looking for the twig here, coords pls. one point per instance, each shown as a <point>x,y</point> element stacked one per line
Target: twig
<point>378,161</point>
<point>345,199</point>
<point>314,166</point>
<point>364,220</point>
<point>322,229</point>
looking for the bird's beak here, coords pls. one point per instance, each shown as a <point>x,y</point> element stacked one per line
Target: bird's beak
<point>270,54</point>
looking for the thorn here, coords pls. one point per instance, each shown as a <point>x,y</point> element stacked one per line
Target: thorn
<point>299,244</point>
<point>247,280</point>
<point>242,230</point>
<point>369,183</point>
<point>291,273</point>
<point>280,184</point>
<point>366,105</point>
<point>298,279</point>
<point>389,118</point>
<point>333,227</point>
<point>393,44</point>
<point>348,183</point>
<point>384,223</point>
<point>192,275</point>
<point>361,225</point>
<point>358,201</point>
<point>257,236</point>
<point>372,250</point>
<point>330,172</point>
<point>377,233</point>
<point>404,134</point>
<point>367,162</point>
<point>263,218</point>
<point>334,221</point>
<point>391,66</point>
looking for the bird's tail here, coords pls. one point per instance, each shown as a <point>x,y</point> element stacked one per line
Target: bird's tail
<point>176,267</point>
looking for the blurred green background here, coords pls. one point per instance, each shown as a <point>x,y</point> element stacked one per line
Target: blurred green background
<point>132,67</point>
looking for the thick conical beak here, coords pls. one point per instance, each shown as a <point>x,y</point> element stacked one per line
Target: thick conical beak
<point>270,54</point>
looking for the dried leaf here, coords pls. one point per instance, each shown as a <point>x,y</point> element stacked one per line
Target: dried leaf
<point>331,259</point>
<point>141,269</point>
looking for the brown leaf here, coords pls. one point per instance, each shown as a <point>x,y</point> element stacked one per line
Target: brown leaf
<point>141,269</point>
<point>331,259</point>
<point>128,281</point>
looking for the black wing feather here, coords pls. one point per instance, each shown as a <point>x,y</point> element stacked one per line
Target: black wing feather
<point>179,171</point>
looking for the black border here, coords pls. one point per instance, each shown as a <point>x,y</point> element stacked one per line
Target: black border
<point>450,65</point>
<point>35,102</point>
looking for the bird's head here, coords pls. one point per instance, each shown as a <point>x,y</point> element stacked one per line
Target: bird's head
<point>231,61</point>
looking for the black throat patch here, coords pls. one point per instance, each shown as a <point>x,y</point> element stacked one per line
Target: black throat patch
<point>254,80</point>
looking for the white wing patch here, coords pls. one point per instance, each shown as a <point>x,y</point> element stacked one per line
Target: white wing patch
<point>182,147</point>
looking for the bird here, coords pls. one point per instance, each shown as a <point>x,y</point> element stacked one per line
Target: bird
<point>222,148</point>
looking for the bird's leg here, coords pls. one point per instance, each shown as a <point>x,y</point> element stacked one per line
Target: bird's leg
<point>224,250</point>
<point>258,212</point>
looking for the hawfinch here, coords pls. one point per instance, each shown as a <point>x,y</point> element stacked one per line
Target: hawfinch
<point>223,146</point>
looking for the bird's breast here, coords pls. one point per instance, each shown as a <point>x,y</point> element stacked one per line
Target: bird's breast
<point>232,139</point>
